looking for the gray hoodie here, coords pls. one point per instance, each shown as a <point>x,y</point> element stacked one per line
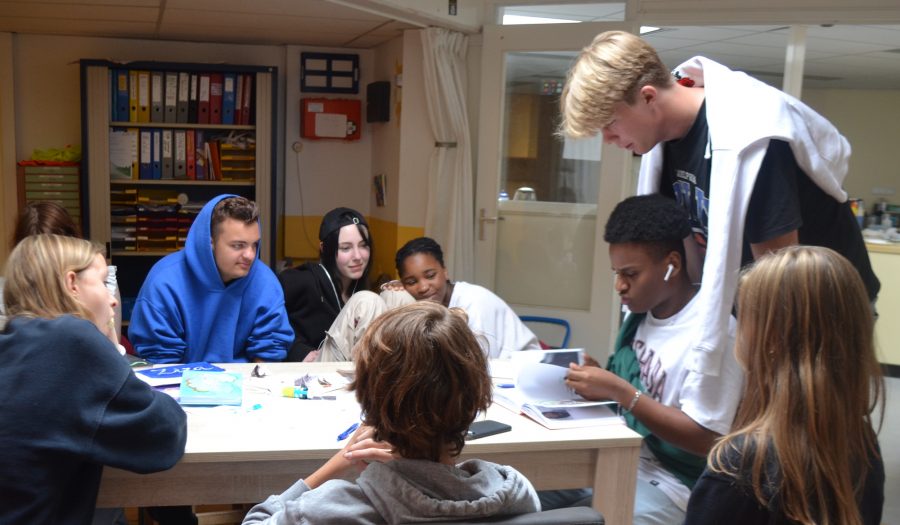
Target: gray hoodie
<point>403,491</point>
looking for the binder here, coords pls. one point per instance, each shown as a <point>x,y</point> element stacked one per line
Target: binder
<point>192,98</point>
<point>157,91</point>
<point>238,98</point>
<point>203,100</point>
<point>180,154</point>
<point>132,96</point>
<point>228,88</point>
<point>168,169</point>
<point>145,158</point>
<point>171,98</point>
<point>121,108</point>
<point>184,85</point>
<point>214,171</point>
<point>190,154</point>
<point>247,102</point>
<point>143,114</point>
<point>123,153</point>
<point>156,165</point>
<point>215,98</point>
<point>200,155</point>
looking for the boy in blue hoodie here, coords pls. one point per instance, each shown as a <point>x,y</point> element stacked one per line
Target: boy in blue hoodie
<point>213,301</point>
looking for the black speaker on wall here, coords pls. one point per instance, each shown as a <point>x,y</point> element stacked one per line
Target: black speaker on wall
<point>378,101</point>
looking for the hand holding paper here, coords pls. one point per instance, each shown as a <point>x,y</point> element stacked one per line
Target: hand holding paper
<point>592,382</point>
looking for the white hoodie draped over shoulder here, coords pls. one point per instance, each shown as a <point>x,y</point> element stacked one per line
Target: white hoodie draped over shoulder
<point>743,115</point>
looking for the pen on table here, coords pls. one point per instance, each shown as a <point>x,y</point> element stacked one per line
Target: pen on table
<point>345,434</point>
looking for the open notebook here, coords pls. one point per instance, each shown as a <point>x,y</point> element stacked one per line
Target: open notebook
<point>540,392</point>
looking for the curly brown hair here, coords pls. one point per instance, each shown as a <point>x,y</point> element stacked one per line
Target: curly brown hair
<point>421,378</point>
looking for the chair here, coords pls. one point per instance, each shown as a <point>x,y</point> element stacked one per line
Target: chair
<point>551,320</point>
<point>566,516</point>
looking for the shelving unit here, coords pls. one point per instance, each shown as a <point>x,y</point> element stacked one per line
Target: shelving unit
<point>100,187</point>
<point>57,183</point>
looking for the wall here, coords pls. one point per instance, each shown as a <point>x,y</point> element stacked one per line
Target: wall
<point>386,138</point>
<point>417,141</point>
<point>855,113</point>
<point>7,145</point>
<point>339,173</point>
<point>325,174</point>
<point>47,78</point>
<point>47,82</point>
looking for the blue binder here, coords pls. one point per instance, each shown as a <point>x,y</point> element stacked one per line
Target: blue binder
<point>120,106</point>
<point>228,98</point>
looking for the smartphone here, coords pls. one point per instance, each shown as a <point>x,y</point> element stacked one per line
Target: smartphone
<point>487,427</point>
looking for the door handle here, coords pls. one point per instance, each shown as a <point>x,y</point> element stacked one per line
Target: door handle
<point>483,218</point>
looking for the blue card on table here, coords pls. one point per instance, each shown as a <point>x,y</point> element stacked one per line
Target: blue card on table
<point>171,375</point>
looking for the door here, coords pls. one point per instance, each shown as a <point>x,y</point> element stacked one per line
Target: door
<point>542,202</point>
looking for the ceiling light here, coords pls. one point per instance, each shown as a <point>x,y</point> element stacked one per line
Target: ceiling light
<point>649,29</point>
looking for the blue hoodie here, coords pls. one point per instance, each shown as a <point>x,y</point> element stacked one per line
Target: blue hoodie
<point>184,312</point>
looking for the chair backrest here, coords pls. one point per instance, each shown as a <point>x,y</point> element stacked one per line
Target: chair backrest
<point>566,516</point>
<point>567,329</point>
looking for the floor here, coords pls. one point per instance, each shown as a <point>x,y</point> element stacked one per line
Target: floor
<point>889,438</point>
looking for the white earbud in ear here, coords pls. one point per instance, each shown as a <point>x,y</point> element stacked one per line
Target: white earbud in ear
<point>668,273</point>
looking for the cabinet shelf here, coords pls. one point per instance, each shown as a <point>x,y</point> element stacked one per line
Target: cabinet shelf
<point>181,182</point>
<point>128,253</point>
<point>106,198</point>
<point>183,125</point>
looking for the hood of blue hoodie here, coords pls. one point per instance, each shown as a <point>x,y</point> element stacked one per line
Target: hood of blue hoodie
<point>199,252</point>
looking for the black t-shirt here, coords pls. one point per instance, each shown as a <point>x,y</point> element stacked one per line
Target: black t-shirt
<point>723,498</point>
<point>784,199</point>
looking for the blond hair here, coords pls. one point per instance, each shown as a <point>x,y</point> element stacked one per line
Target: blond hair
<point>610,70</point>
<point>805,338</point>
<point>421,378</point>
<point>36,276</point>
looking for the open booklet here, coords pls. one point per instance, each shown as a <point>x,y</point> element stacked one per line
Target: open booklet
<point>540,392</point>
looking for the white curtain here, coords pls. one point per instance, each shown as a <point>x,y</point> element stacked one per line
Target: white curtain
<point>449,217</point>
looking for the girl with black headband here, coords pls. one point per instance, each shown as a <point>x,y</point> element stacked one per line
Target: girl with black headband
<point>316,292</point>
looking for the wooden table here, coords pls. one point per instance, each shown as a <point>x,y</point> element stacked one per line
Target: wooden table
<point>244,454</point>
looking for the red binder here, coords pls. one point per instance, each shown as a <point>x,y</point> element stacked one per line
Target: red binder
<point>203,100</point>
<point>214,162</point>
<point>215,97</point>
<point>190,138</point>
<point>247,100</point>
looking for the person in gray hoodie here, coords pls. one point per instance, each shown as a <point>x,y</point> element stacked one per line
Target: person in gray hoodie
<point>421,378</point>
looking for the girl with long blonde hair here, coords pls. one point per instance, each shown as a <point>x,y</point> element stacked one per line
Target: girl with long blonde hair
<point>71,404</point>
<point>803,448</point>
